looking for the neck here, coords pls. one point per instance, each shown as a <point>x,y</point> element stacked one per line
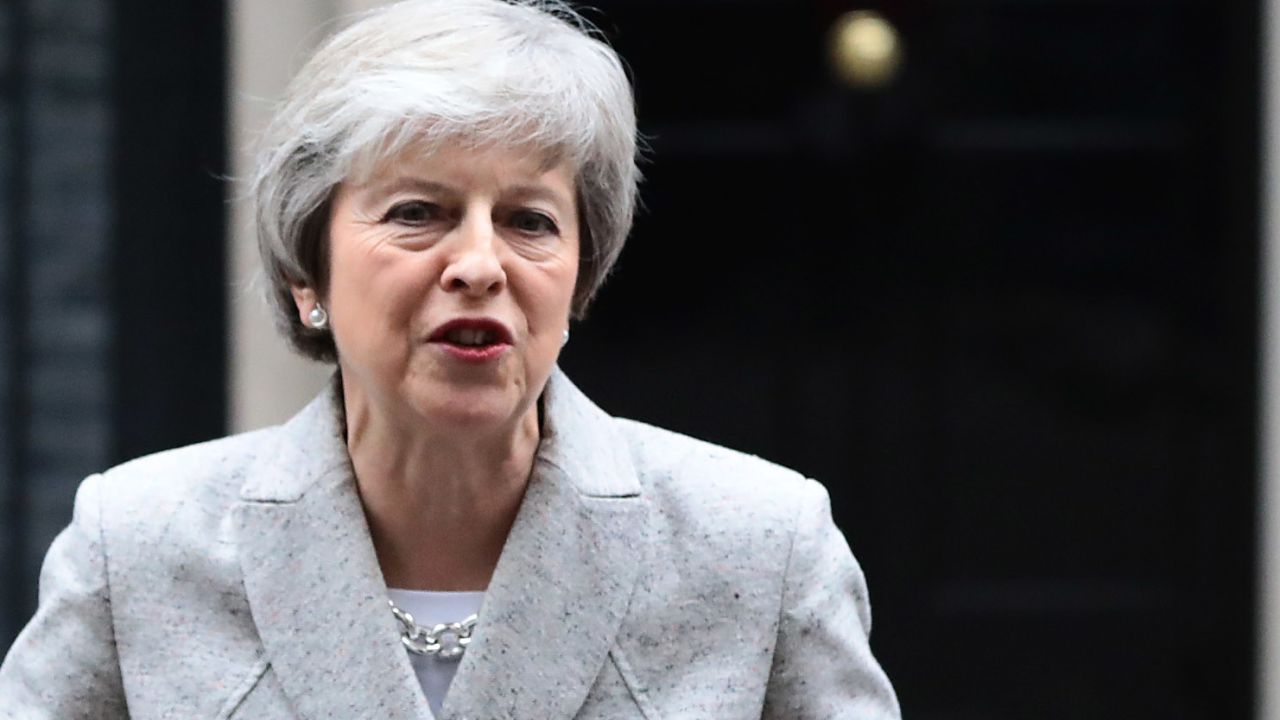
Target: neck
<point>439,502</point>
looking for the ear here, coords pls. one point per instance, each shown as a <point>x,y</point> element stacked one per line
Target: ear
<point>305,299</point>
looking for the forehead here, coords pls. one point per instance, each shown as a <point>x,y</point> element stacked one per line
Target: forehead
<point>466,160</point>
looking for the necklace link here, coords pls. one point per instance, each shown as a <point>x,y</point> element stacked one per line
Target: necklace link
<point>447,641</point>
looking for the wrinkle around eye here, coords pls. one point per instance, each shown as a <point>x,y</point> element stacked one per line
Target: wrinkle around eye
<point>413,213</point>
<point>544,224</point>
<point>377,234</point>
<point>409,236</point>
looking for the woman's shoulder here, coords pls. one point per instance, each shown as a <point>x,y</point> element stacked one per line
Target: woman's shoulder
<point>661,450</point>
<point>208,459</point>
<point>720,518</point>
<point>197,479</point>
<point>678,470</point>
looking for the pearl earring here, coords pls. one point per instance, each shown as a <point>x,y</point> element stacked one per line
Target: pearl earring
<point>565,340</point>
<point>318,318</point>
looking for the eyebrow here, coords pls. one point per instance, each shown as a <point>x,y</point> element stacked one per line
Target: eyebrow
<point>522,191</point>
<point>540,192</point>
<point>403,183</point>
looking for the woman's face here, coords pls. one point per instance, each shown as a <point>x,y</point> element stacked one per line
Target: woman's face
<point>451,280</point>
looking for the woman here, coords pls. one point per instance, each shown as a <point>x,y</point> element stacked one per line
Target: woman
<point>446,185</point>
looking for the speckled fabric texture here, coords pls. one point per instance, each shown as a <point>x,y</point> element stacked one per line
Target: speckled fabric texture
<point>647,575</point>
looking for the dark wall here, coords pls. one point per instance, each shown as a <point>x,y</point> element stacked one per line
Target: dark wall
<point>57,212</point>
<point>1003,307</point>
<point>111,266</point>
<point>171,191</point>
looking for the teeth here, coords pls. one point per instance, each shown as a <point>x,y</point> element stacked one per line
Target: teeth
<point>471,336</point>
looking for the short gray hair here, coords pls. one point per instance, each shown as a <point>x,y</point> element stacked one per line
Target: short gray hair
<point>519,73</point>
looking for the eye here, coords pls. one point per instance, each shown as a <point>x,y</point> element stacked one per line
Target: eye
<point>413,212</point>
<point>531,222</point>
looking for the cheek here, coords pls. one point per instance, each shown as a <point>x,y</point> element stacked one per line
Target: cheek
<point>563,278</point>
<point>375,297</point>
<point>552,297</point>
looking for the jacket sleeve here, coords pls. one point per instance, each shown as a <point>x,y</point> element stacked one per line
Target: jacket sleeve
<point>822,665</point>
<point>64,664</point>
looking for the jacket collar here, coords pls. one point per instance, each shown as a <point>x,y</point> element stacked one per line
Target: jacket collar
<point>580,439</point>
<point>577,437</point>
<point>550,614</point>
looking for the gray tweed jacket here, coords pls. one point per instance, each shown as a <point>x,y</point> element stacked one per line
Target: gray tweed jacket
<point>648,575</point>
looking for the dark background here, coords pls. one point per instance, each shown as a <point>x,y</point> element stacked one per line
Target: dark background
<point>112,278</point>
<point>1003,307</point>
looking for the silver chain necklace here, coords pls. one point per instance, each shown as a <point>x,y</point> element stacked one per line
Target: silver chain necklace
<point>447,641</point>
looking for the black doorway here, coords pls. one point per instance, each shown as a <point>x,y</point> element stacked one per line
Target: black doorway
<point>1003,307</point>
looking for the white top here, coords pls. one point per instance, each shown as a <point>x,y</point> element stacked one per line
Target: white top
<point>433,608</point>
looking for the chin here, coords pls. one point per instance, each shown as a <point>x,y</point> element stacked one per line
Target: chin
<point>471,408</point>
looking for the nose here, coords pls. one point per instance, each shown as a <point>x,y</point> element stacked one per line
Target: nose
<point>474,267</point>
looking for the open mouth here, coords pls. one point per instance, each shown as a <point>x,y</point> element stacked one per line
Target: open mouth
<point>471,336</point>
<point>478,338</point>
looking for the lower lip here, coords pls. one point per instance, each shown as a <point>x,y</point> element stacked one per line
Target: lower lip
<point>474,355</point>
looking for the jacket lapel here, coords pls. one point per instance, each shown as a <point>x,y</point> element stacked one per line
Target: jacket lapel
<point>566,574</point>
<point>550,615</point>
<point>312,578</point>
